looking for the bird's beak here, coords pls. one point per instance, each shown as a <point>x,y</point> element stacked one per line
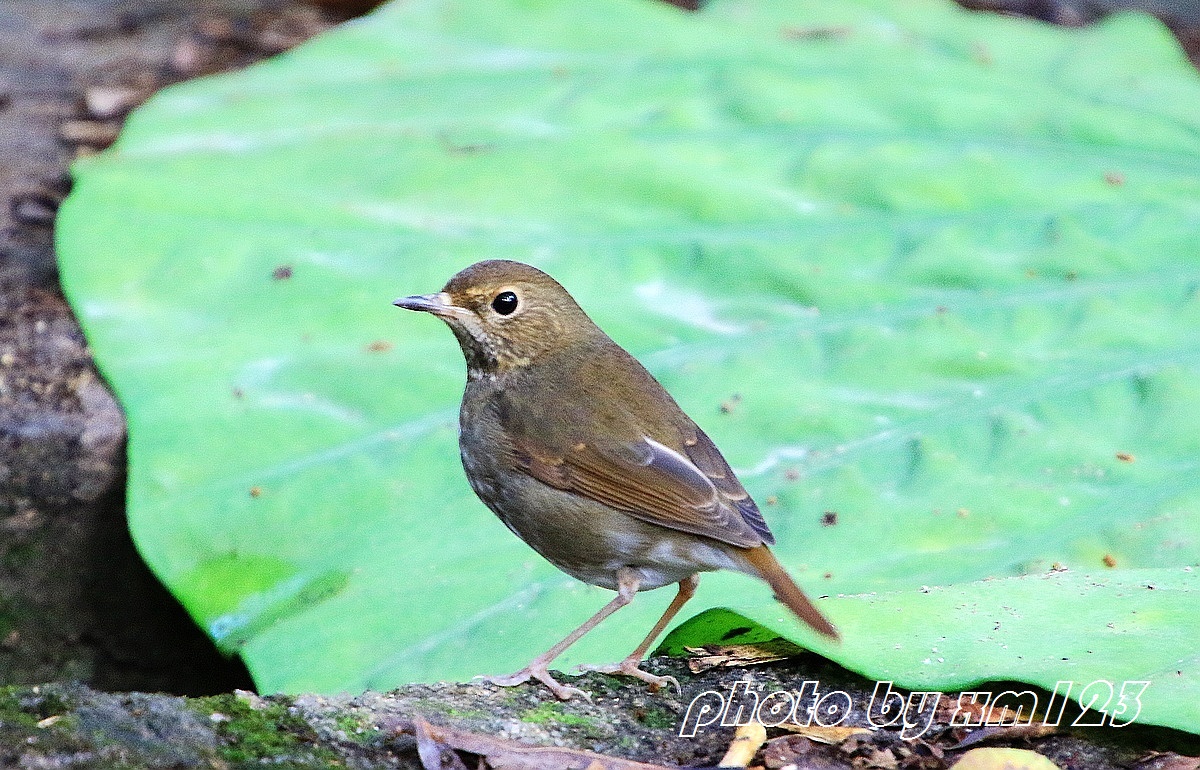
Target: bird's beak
<point>439,304</point>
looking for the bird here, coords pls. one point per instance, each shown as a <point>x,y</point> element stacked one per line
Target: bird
<point>587,458</point>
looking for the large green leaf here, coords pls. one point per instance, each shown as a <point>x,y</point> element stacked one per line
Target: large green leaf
<point>948,264</point>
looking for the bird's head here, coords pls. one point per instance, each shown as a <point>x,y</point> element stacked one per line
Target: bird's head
<point>505,315</point>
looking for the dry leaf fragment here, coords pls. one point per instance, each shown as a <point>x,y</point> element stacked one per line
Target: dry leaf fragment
<point>786,750</point>
<point>747,740</point>
<point>90,132</point>
<point>106,102</point>
<point>830,735</point>
<point>1010,733</point>
<point>881,759</point>
<point>1003,759</point>
<point>501,754</point>
<point>1167,761</point>
<point>434,754</point>
<point>795,752</point>
<point>730,655</point>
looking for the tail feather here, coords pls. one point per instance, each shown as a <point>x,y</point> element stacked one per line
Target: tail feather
<point>786,590</point>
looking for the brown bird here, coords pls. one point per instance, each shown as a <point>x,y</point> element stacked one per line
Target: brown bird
<point>588,459</point>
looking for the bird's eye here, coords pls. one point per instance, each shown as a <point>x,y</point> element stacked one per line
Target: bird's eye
<point>505,302</point>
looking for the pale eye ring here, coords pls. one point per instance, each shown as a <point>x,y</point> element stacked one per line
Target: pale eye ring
<point>505,303</point>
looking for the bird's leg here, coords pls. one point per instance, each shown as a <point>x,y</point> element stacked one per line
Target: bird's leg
<point>627,586</point>
<point>629,666</point>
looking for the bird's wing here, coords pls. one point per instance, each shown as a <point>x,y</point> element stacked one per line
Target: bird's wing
<point>708,460</point>
<point>648,481</point>
<point>690,489</point>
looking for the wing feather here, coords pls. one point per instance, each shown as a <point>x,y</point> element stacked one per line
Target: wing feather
<point>655,464</point>
<point>651,482</point>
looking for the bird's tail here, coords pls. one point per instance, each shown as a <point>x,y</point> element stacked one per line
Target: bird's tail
<point>786,590</point>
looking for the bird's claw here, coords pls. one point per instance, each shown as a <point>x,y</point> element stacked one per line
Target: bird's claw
<point>629,667</point>
<point>540,673</point>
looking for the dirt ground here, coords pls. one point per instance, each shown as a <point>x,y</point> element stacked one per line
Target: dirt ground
<point>76,603</point>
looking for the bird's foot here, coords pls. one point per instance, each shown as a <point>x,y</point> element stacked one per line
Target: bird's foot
<point>539,672</point>
<point>629,667</point>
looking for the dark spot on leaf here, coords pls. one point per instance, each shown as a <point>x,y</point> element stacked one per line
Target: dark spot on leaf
<point>981,54</point>
<point>1109,560</point>
<point>735,632</point>
<point>464,148</point>
<point>255,491</point>
<point>282,273</point>
<point>815,33</point>
<point>829,518</point>
<point>380,346</point>
<point>1114,178</point>
<point>1125,457</point>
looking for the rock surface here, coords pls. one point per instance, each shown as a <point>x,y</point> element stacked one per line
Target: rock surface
<point>52,726</point>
